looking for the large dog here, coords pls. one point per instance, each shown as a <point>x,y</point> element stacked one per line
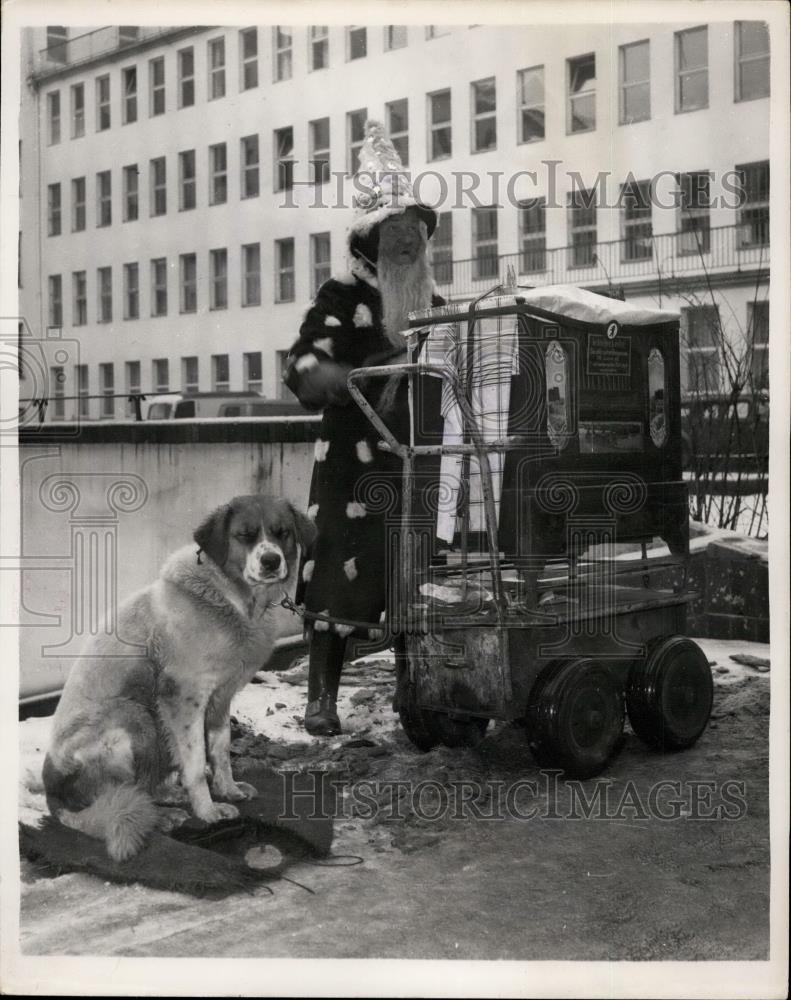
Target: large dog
<point>135,728</point>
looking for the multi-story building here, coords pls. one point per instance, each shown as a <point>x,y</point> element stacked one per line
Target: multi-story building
<point>186,190</point>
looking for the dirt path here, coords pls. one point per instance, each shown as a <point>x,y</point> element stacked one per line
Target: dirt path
<point>630,885</point>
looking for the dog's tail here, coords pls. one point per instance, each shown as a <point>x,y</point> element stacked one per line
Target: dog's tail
<point>122,816</point>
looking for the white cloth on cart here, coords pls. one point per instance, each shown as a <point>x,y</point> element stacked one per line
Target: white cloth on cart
<point>495,359</point>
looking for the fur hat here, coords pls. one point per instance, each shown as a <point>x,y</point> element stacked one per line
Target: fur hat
<point>383,187</point>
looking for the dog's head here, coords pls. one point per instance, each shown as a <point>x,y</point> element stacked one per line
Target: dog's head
<point>256,539</point>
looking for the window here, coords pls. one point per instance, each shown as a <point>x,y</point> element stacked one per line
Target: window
<point>104,282</point>
<point>102,103</point>
<point>160,375</point>
<point>284,270</point>
<point>281,41</point>
<point>104,199</point>
<point>53,117</point>
<point>251,274</point>
<point>188,283</point>
<point>131,291</point>
<point>355,133</point>
<point>218,276</point>
<point>159,287</point>
<point>700,336</point>
<point>156,86</point>
<point>635,91</point>
<point>319,131</point>
<point>248,53</point>
<point>53,210</point>
<point>79,316</point>
<point>189,374</point>
<point>55,288</point>
<point>441,246</point>
<point>250,166</point>
<point>107,387</point>
<point>533,236</point>
<point>437,30</point>
<point>356,42</point>
<point>187,183</point>
<point>159,191</point>
<point>186,67</point>
<point>129,106</point>
<point>218,174</point>
<point>581,113</point>
<point>395,36</point>
<point>397,118</point>
<point>484,242</point>
<point>754,204</point>
<point>57,381</point>
<point>133,386</point>
<point>439,125</point>
<point>694,208</point>
<point>752,60</point>
<point>692,71</point>
<point>77,110</point>
<point>253,381</point>
<point>282,362</point>
<point>319,40</point>
<point>320,260</point>
<point>758,325</point>
<point>484,115</point>
<point>130,193</point>
<point>128,34</point>
<point>220,373</point>
<point>284,164</point>
<point>636,227</point>
<point>216,68</point>
<point>530,97</point>
<point>81,380</point>
<point>57,38</point>
<point>582,227</point>
<point>78,205</point>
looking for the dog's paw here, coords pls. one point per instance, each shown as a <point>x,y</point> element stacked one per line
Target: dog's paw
<point>170,819</point>
<point>218,811</point>
<point>235,791</point>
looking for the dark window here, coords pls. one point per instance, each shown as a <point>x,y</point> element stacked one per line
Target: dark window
<point>484,239</point>
<point>531,104</point>
<point>533,236</point>
<point>754,204</point>
<point>581,93</point>
<point>484,115</point>
<point>439,125</point>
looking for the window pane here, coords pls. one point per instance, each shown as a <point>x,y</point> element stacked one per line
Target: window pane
<point>692,49</point>
<point>485,96</point>
<point>635,62</point>
<point>531,89</point>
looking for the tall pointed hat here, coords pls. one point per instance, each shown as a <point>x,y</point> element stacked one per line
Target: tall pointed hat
<point>383,187</point>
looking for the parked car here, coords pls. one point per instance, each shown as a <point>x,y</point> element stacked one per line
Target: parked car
<point>176,406</point>
<point>720,433</point>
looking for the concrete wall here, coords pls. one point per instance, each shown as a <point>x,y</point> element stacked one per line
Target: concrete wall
<point>100,516</point>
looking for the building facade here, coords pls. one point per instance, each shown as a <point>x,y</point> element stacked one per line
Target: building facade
<point>186,190</point>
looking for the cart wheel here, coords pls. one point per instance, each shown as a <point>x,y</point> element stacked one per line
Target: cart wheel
<point>417,723</point>
<point>669,695</point>
<point>575,717</point>
<point>454,732</point>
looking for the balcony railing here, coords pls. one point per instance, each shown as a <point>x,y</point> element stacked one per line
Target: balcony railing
<point>96,44</point>
<point>661,259</point>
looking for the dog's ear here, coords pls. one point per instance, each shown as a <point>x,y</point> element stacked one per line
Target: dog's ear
<point>212,535</point>
<point>304,529</point>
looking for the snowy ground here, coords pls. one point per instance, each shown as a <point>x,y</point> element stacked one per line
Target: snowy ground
<point>544,889</point>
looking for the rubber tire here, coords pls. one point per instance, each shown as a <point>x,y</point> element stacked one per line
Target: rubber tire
<point>466,732</point>
<point>575,717</point>
<point>669,695</point>
<point>417,722</point>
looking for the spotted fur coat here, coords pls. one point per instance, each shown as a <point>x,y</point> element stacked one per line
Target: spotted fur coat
<point>355,489</point>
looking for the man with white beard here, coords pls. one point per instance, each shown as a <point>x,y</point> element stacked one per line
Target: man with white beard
<point>357,320</point>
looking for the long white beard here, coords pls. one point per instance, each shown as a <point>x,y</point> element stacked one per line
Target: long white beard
<point>404,288</point>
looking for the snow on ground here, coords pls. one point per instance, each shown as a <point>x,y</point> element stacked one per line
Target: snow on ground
<point>275,706</point>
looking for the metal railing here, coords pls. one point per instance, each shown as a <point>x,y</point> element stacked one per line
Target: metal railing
<point>95,44</point>
<point>658,258</point>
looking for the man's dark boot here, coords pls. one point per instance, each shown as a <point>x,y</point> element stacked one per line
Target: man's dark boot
<point>324,675</point>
